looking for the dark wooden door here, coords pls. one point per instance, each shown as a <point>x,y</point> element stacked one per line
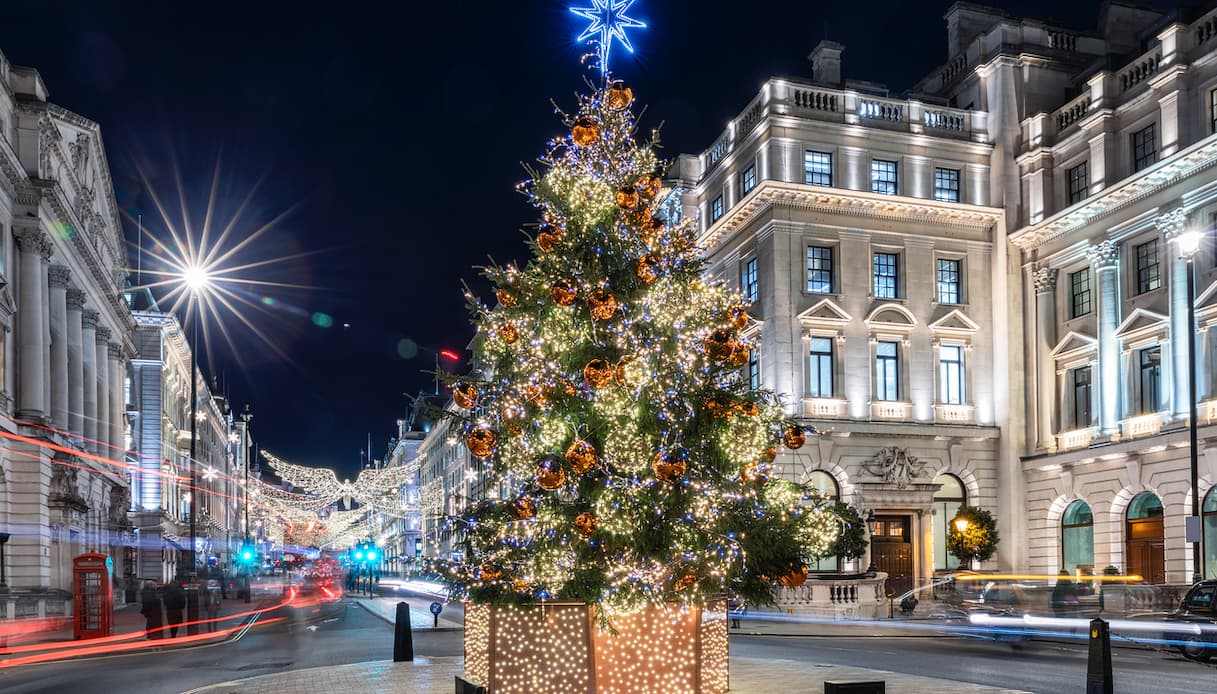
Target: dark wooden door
<point>1145,549</point>
<point>892,552</point>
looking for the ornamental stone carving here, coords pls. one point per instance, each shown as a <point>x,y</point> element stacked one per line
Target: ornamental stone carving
<point>895,466</point>
<point>1103,254</point>
<point>76,298</point>
<point>1045,280</point>
<point>120,500</point>
<point>89,318</point>
<point>116,351</point>
<point>65,488</point>
<point>59,276</point>
<point>103,334</point>
<point>1172,223</point>
<point>30,239</point>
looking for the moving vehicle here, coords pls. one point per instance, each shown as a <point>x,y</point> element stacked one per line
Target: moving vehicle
<point>1196,635</point>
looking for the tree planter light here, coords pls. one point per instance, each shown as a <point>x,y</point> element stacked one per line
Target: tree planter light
<point>561,647</point>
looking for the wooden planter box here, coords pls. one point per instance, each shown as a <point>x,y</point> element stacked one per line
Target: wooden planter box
<point>560,647</point>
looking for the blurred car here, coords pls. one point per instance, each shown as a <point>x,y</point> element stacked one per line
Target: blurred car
<point>1198,611</point>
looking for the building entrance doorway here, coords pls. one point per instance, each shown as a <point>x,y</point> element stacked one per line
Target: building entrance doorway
<point>892,552</point>
<point>1145,538</point>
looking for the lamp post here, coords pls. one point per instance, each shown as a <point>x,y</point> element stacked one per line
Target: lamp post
<point>196,280</point>
<point>3,576</point>
<point>1189,244</point>
<point>246,562</point>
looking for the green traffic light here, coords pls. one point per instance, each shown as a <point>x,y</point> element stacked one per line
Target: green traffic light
<point>371,556</point>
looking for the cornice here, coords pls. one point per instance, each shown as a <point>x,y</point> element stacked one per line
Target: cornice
<point>1142,185</point>
<point>849,203</point>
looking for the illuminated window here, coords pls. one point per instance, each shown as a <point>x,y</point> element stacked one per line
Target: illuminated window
<point>887,371</point>
<point>949,280</point>
<point>827,488</point>
<point>817,168</point>
<point>883,177</point>
<point>748,281</point>
<point>885,285</point>
<point>946,185</point>
<point>950,374</point>
<point>1209,513</point>
<point>1077,537</point>
<point>819,269</point>
<point>747,180</point>
<point>947,500</point>
<point>754,369</point>
<point>820,368</point>
<point>716,209</point>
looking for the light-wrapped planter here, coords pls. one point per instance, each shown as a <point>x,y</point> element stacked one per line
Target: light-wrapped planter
<point>561,647</point>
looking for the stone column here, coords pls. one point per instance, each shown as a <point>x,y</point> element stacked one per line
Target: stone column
<point>101,388</point>
<point>118,405</point>
<point>58,277</point>
<point>1172,224</point>
<point>32,246</point>
<point>76,393</point>
<point>88,360</point>
<point>1104,257</point>
<point>1045,340</point>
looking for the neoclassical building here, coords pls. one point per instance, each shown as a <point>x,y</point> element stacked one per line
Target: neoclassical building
<point>65,343</point>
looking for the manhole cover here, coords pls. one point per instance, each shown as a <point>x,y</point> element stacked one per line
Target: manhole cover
<point>272,664</point>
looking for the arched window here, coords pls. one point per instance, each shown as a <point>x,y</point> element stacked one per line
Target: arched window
<point>1209,513</point>
<point>1144,538</point>
<point>947,500</point>
<point>1077,538</point>
<point>826,485</point>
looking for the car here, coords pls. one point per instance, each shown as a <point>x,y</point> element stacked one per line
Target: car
<point>1198,611</point>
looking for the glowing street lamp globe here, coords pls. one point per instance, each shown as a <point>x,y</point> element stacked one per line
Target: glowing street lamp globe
<point>196,277</point>
<point>1189,243</point>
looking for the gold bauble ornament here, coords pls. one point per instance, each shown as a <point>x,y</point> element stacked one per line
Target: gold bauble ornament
<point>546,241</point>
<point>563,292</point>
<point>641,217</point>
<point>652,230</point>
<point>526,508</point>
<point>649,185</point>
<point>585,131</point>
<point>647,269</point>
<point>738,317</point>
<point>586,524</point>
<point>769,455</point>
<point>717,406</point>
<point>747,408</point>
<point>536,395</point>
<point>753,473</point>
<point>794,438</point>
<point>582,456</point>
<point>506,298</point>
<point>481,442</point>
<point>619,372</point>
<point>684,582</point>
<point>550,474</point>
<point>669,466</point>
<point>739,354</point>
<point>491,572</point>
<point>795,578</point>
<point>514,429</point>
<point>519,585</point>
<point>720,344</point>
<point>598,373</point>
<point>603,304</point>
<point>465,395</point>
<point>619,95</point>
<point>627,197</point>
<point>508,333</point>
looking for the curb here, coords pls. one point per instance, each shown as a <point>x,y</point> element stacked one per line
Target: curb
<point>393,622</point>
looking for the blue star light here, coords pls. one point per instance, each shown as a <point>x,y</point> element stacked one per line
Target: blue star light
<point>609,21</point>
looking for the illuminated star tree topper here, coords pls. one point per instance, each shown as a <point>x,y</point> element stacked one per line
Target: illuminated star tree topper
<point>609,21</point>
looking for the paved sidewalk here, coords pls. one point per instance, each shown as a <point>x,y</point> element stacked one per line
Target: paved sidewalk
<point>428,675</point>
<point>420,614</point>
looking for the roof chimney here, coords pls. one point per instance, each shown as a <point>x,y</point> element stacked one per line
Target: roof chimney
<point>826,63</point>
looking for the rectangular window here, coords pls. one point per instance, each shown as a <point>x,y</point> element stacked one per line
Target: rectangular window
<point>820,368</point>
<point>1081,397</point>
<point>887,371</point>
<point>747,180</point>
<point>946,185</point>
<point>885,275</point>
<point>716,209</point>
<point>948,280</point>
<point>1213,111</point>
<point>817,168</point>
<point>1149,272</point>
<point>1144,148</point>
<point>819,269</point>
<point>883,177</point>
<point>1080,298</point>
<point>1150,364</point>
<point>1079,182</point>
<point>950,374</point>
<point>754,369</point>
<point>748,282</point>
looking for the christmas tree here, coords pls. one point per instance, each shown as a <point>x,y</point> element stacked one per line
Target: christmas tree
<point>610,402</point>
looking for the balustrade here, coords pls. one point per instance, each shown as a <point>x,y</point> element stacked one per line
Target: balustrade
<point>1141,69</point>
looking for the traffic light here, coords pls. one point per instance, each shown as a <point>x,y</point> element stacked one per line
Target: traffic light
<point>418,547</point>
<point>246,555</point>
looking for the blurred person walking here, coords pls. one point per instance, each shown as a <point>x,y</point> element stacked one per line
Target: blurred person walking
<point>151,609</point>
<point>175,602</point>
<point>213,603</point>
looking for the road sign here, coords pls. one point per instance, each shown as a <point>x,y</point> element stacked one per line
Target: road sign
<point>436,608</point>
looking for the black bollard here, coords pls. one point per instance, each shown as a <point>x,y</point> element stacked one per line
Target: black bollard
<point>403,636</point>
<point>1098,664</point>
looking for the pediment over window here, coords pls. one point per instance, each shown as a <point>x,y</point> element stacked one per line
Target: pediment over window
<point>1206,307</point>
<point>891,316</point>
<point>1074,343</point>
<point>1141,322</point>
<point>954,322</point>
<point>825,312</point>
<point>1208,297</point>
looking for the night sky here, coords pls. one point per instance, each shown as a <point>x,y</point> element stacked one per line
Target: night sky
<point>392,135</point>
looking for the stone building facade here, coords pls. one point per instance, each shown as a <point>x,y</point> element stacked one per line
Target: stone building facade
<point>65,343</point>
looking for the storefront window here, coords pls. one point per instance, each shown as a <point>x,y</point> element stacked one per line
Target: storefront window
<point>1077,538</point>
<point>947,500</point>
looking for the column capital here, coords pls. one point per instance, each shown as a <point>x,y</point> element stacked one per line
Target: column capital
<point>103,335</point>
<point>116,351</point>
<point>1172,222</point>
<point>1045,280</point>
<point>89,318</point>
<point>1103,254</point>
<point>32,240</point>
<point>59,276</point>
<point>76,299</point>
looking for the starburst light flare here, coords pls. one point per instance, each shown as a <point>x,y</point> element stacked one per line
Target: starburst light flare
<point>610,22</point>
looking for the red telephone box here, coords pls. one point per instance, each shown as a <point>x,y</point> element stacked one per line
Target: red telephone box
<point>92,596</point>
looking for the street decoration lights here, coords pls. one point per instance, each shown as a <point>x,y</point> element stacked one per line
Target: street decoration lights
<point>1189,244</point>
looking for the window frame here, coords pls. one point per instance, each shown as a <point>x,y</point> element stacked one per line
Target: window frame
<point>1082,405</point>
<point>1144,147</point>
<point>753,373</point>
<point>889,263</point>
<point>1213,111</point>
<point>879,183</point>
<point>749,282</point>
<point>1077,182</point>
<point>1078,528</point>
<point>819,364</point>
<point>886,371</point>
<point>717,208</point>
<point>747,180</point>
<point>815,173</point>
<point>939,283</point>
<point>829,255</point>
<point>1151,370</point>
<point>944,193</point>
<point>946,508</point>
<point>832,562</point>
<point>1148,266</point>
<point>1080,297</point>
<point>949,369</point>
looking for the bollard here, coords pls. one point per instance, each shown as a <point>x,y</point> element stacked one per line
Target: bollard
<point>1098,663</point>
<point>403,636</point>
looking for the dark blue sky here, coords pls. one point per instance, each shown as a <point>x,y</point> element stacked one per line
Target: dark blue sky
<point>395,132</point>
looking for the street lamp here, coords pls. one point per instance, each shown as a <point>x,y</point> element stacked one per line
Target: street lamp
<point>246,415</point>
<point>197,280</point>
<point>960,523</point>
<point>1189,245</point>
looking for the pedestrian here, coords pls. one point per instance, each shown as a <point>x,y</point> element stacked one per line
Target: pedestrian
<point>175,602</point>
<point>213,603</point>
<point>1064,596</point>
<point>151,609</point>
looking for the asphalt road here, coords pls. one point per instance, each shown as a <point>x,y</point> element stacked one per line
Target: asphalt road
<point>1040,666</point>
<point>349,635</point>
